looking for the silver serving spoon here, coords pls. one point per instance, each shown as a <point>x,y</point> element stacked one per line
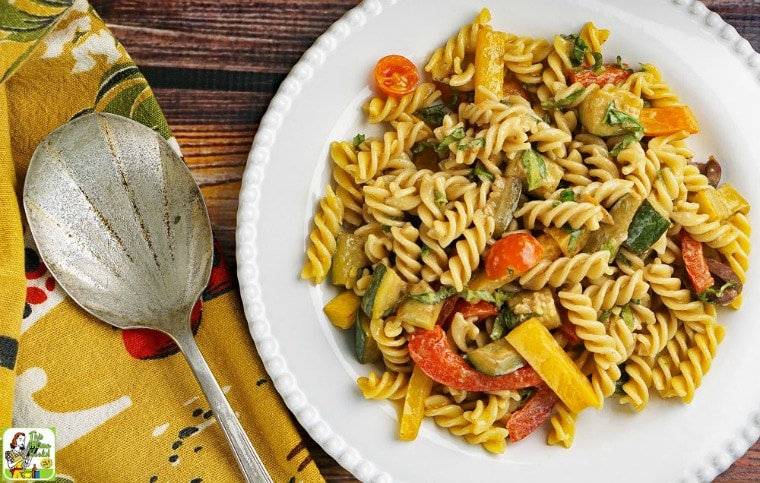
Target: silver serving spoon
<point>121,224</point>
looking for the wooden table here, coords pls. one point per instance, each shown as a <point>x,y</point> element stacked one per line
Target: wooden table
<point>214,66</point>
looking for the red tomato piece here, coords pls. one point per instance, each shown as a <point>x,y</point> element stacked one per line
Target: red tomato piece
<point>610,74</point>
<point>430,351</point>
<point>480,309</point>
<point>567,328</point>
<point>533,414</point>
<point>396,75</point>
<point>695,263</point>
<point>513,254</point>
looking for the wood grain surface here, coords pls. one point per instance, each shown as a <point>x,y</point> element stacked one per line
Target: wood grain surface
<point>215,65</point>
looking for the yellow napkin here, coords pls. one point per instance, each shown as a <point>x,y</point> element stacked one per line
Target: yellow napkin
<point>124,404</point>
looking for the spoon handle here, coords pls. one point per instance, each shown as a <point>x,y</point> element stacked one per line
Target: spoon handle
<point>250,464</point>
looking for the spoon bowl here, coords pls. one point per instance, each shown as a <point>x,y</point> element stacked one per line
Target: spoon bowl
<point>122,225</point>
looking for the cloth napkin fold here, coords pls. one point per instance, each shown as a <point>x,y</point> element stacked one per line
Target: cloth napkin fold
<point>124,404</point>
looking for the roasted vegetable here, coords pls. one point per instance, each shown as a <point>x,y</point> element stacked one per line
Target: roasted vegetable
<point>647,227</point>
<point>695,263</point>
<point>610,237</point>
<point>610,112</point>
<point>537,346</point>
<point>384,292</point>
<point>416,310</point>
<point>570,240</point>
<point>539,304</point>
<point>495,358</point>
<point>349,258</point>
<point>666,120</point>
<point>607,74</point>
<point>538,174</point>
<point>413,410</point>
<point>722,202</point>
<point>430,351</point>
<point>341,310</point>
<point>512,255</point>
<point>509,189</point>
<point>365,346</point>
<point>533,414</point>
<point>490,48</point>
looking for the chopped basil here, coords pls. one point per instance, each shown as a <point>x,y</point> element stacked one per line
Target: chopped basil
<point>417,148</point>
<point>611,247</point>
<point>579,49</point>
<point>567,195</point>
<point>624,143</point>
<point>457,135</point>
<point>535,168</point>
<point>564,102</point>
<point>615,117</point>
<point>358,139</point>
<point>575,235</point>
<point>474,143</point>
<point>477,295</point>
<point>424,251</point>
<point>434,114</point>
<point>605,316</point>
<point>481,174</point>
<point>627,315</point>
<point>433,297</point>
<point>440,199</point>
<point>710,295</point>
<point>508,320</point>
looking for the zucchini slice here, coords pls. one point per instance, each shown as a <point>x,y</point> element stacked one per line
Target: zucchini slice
<point>496,358</point>
<point>646,228</point>
<point>365,346</point>
<point>417,313</point>
<point>610,237</point>
<point>349,259</point>
<point>384,292</point>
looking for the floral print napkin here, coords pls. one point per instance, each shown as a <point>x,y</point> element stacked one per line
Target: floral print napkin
<point>123,404</point>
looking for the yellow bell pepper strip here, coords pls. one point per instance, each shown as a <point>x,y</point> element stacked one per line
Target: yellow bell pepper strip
<point>666,120</point>
<point>490,48</point>
<point>533,414</point>
<point>430,351</point>
<point>418,389</point>
<point>722,202</point>
<point>536,345</point>
<point>341,310</point>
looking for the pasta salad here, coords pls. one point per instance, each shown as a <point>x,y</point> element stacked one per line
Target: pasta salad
<point>531,236</point>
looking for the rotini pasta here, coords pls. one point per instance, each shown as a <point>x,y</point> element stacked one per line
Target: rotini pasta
<point>550,199</point>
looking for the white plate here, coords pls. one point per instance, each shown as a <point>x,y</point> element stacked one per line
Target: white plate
<point>703,59</point>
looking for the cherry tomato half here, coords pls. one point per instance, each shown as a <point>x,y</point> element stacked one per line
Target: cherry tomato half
<point>513,254</point>
<point>396,75</point>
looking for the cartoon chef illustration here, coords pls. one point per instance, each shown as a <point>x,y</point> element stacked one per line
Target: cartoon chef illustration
<point>17,456</point>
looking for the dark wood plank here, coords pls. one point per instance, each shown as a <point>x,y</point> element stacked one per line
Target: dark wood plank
<point>214,67</point>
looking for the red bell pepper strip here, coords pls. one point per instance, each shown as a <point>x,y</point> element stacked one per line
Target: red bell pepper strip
<point>533,414</point>
<point>567,328</point>
<point>480,309</point>
<point>609,74</point>
<point>695,263</point>
<point>430,351</point>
